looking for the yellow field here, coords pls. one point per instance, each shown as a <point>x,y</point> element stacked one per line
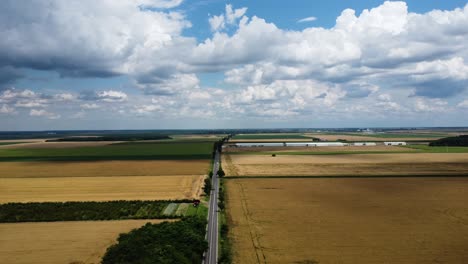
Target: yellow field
<point>372,220</point>
<point>356,164</point>
<point>100,188</point>
<point>103,168</point>
<point>61,242</point>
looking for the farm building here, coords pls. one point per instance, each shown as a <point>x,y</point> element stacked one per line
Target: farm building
<point>395,143</point>
<point>364,144</point>
<point>316,144</point>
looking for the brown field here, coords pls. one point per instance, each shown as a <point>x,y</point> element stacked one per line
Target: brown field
<point>103,168</point>
<point>61,242</point>
<point>356,164</point>
<point>320,149</point>
<point>60,189</point>
<point>372,220</point>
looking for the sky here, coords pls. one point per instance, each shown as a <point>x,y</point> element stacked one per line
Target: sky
<point>181,64</point>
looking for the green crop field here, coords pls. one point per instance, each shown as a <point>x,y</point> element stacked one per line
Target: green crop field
<point>10,143</point>
<point>127,151</point>
<point>271,136</point>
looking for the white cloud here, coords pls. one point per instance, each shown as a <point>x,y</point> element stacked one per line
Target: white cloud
<point>64,97</point>
<point>430,105</point>
<point>112,96</point>
<point>89,106</point>
<point>5,109</point>
<point>159,3</point>
<point>463,104</point>
<point>43,113</point>
<point>230,17</point>
<point>307,19</point>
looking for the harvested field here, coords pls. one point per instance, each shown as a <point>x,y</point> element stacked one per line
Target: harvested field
<point>62,189</point>
<point>102,168</point>
<point>61,242</point>
<point>373,220</point>
<point>356,164</point>
<point>318,149</point>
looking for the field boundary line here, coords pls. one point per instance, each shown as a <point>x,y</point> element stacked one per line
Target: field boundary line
<point>346,176</point>
<point>253,234</point>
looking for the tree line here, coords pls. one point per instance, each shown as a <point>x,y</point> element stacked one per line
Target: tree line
<point>83,211</point>
<point>459,141</point>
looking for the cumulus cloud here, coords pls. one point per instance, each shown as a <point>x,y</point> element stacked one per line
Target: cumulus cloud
<point>229,18</point>
<point>463,104</point>
<point>110,96</point>
<point>43,113</point>
<point>382,59</point>
<point>5,109</point>
<point>89,106</point>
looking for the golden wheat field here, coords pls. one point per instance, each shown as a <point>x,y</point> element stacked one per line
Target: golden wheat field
<point>355,164</point>
<point>372,220</point>
<point>102,168</point>
<point>61,242</point>
<point>61,189</point>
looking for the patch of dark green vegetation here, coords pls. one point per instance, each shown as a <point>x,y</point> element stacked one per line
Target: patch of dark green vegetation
<point>11,143</point>
<point>118,137</point>
<point>460,141</point>
<point>128,151</point>
<point>176,242</point>
<point>83,211</point>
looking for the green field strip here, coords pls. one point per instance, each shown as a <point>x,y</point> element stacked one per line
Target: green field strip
<point>132,151</point>
<point>11,143</point>
<point>182,209</point>
<point>170,209</point>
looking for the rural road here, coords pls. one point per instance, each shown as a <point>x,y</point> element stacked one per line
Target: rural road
<point>211,256</point>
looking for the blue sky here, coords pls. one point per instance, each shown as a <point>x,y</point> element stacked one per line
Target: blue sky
<point>149,64</point>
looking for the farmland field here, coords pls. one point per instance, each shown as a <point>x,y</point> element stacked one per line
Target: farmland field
<point>317,150</point>
<point>379,136</point>
<point>61,189</point>
<point>61,242</point>
<point>121,151</point>
<point>103,168</point>
<point>355,164</point>
<point>372,220</point>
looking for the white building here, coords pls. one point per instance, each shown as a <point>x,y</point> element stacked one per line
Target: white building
<point>395,143</point>
<point>364,144</point>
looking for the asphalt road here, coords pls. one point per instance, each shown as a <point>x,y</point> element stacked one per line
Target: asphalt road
<point>211,256</point>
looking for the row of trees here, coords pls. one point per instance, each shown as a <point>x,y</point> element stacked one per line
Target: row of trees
<point>118,137</point>
<point>81,211</point>
<point>177,242</point>
<point>460,141</point>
